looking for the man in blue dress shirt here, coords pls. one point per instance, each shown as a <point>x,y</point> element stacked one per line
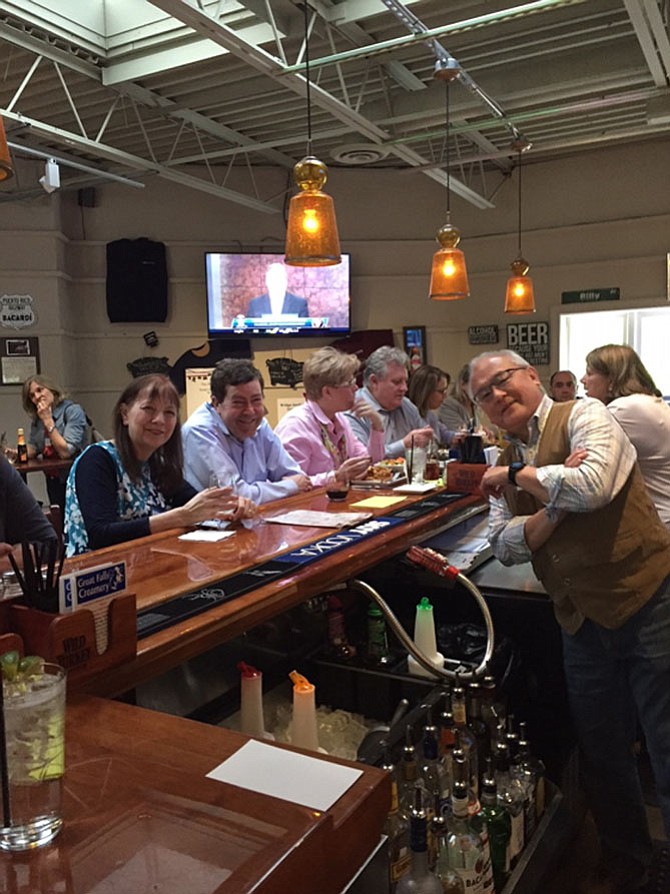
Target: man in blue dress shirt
<point>385,387</point>
<point>228,441</point>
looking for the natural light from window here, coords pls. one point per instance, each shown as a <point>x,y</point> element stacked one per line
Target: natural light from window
<point>647,331</point>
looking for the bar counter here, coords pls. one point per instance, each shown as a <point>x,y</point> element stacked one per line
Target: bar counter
<point>161,567</point>
<point>140,816</point>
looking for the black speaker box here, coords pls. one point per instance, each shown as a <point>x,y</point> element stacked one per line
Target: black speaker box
<point>136,281</point>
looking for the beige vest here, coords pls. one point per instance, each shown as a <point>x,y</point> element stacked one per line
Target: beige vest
<point>605,564</point>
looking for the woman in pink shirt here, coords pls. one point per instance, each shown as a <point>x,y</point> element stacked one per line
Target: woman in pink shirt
<point>317,435</point>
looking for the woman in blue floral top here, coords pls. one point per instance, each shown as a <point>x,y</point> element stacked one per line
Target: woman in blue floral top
<point>133,486</point>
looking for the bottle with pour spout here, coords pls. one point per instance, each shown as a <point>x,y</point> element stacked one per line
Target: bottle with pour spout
<point>304,733</point>
<point>251,702</point>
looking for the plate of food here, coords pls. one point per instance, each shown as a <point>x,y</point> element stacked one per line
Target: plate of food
<point>386,473</point>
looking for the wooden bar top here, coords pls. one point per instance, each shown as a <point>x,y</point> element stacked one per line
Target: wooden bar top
<point>162,566</point>
<point>141,816</point>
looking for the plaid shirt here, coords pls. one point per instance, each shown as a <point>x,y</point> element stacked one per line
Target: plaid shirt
<point>592,485</point>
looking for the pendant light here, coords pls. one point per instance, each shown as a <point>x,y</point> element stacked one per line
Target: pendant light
<point>520,297</point>
<point>6,167</point>
<point>449,276</point>
<point>312,239</point>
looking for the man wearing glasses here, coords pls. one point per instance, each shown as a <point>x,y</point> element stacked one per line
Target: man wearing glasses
<point>568,497</point>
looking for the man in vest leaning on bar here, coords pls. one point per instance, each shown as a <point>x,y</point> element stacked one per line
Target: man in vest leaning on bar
<point>568,496</point>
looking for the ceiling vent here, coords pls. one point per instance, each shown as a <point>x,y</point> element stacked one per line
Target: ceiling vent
<point>359,154</point>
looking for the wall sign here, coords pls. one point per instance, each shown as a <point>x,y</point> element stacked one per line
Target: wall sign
<point>19,359</point>
<point>483,335</point>
<point>17,312</point>
<point>530,340</point>
<point>587,295</point>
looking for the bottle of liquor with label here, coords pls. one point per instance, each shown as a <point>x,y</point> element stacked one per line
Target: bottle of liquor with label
<point>467,736</point>
<point>433,771</point>
<point>408,776</point>
<point>338,642</point>
<point>396,829</point>
<point>476,722</point>
<point>534,768</point>
<point>511,797</point>
<point>499,827</point>
<point>21,447</point>
<point>467,853</point>
<point>452,883</point>
<point>378,652</point>
<point>419,879</point>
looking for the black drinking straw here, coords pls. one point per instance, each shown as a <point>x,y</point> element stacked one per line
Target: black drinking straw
<point>4,770</point>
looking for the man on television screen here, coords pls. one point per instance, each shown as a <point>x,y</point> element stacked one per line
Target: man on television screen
<point>277,301</point>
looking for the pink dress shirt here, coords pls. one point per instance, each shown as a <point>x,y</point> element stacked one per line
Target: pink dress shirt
<point>320,445</point>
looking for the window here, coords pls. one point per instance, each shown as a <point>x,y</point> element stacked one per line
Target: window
<point>647,331</point>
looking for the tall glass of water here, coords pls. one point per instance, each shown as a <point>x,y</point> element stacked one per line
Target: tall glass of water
<point>34,721</point>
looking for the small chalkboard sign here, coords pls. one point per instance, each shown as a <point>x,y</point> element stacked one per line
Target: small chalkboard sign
<point>483,335</point>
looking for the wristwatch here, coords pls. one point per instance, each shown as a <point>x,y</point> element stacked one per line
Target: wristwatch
<point>50,429</point>
<point>513,470</point>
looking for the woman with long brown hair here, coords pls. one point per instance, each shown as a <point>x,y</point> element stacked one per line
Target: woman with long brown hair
<point>134,485</point>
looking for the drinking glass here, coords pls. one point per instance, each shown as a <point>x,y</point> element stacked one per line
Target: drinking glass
<point>415,460</point>
<point>34,720</point>
<point>336,490</point>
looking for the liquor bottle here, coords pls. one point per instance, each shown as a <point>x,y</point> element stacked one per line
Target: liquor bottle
<point>433,771</point>
<point>408,777</point>
<point>477,819</point>
<point>378,652</point>
<point>21,447</point>
<point>48,451</point>
<point>460,768</point>
<point>452,883</point>
<point>419,879</point>
<point>512,737</point>
<point>396,829</point>
<point>511,797</point>
<point>467,854</point>
<point>446,725</point>
<point>477,724</point>
<point>499,827</point>
<point>467,736</point>
<point>492,707</point>
<point>338,642</point>
<point>532,764</point>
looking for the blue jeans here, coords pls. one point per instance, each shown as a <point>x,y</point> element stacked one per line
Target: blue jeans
<point>614,678</point>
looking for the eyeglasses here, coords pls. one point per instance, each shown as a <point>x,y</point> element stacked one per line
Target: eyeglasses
<point>351,384</point>
<point>499,381</point>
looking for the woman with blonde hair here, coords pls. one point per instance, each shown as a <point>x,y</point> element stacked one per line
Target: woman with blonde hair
<point>317,434</point>
<point>58,428</point>
<point>616,376</point>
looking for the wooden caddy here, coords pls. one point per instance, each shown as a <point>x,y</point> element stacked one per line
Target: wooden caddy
<point>70,639</point>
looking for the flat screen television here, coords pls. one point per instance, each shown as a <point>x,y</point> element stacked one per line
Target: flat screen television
<point>258,295</point>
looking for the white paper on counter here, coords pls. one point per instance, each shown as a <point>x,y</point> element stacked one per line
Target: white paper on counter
<point>208,536</point>
<point>287,775</point>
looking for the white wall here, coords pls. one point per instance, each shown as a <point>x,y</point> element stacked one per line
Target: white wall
<point>593,220</point>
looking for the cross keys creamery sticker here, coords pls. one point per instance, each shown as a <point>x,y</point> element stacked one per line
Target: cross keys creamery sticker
<point>16,311</point>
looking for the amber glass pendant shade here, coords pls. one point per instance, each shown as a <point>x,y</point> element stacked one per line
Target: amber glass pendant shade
<point>448,276</point>
<point>312,239</point>
<point>6,167</point>
<point>520,297</point>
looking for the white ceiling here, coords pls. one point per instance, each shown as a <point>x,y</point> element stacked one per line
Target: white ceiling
<point>185,89</point>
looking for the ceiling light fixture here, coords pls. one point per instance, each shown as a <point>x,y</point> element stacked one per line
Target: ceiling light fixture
<point>520,296</point>
<point>6,166</point>
<point>449,276</point>
<point>312,239</point>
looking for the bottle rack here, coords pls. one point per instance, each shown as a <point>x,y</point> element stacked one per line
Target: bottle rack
<point>73,640</point>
